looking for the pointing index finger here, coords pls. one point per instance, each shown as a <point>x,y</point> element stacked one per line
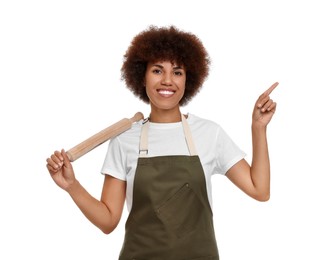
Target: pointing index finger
<point>269,91</point>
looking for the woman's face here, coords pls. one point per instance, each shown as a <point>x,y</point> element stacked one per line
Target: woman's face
<point>165,84</point>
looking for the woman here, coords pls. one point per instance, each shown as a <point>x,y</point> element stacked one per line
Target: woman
<point>163,166</point>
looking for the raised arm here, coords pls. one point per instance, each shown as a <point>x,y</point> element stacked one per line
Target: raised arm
<point>104,213</point>
<point>254,180</point>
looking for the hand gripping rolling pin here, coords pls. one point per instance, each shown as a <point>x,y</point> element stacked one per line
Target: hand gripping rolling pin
<point>102,136</point>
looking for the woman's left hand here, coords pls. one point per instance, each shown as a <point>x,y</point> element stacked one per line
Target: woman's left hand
<point>264,108</point>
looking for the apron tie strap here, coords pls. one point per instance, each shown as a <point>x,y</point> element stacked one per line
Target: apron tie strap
<point>143,144</point>
<point>188,137</point>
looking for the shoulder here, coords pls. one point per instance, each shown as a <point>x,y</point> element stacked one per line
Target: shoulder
<point>206,129</point>
<point>132,132</point>
<point>204,124</point>
<point>129,138</point>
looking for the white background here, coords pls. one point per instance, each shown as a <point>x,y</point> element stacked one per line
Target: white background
<point>60,83</point>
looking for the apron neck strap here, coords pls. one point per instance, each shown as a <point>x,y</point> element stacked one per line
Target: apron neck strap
<point>143,144</point>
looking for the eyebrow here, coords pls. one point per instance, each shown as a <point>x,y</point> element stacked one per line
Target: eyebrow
<point>161,67</point>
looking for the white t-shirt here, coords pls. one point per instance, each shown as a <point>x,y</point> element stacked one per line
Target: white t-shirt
<point>217,152</point>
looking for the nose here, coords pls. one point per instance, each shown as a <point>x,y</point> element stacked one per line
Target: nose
<point>166,79</point>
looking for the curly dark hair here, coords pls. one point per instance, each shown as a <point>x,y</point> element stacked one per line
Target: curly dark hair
<point>165,44</point>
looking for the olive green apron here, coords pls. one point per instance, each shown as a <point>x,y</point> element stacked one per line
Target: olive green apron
<point>170,218</point>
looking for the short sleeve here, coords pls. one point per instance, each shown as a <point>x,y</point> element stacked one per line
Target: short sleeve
<point>114,163</point>
<point>227,152</point>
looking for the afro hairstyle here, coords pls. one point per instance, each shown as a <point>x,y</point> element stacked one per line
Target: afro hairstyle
<point>165,44</point>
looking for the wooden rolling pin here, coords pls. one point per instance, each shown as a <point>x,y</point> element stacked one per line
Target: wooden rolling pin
<point>102,136</point>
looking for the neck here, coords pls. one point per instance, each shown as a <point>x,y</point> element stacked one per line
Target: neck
<point>165,116</point>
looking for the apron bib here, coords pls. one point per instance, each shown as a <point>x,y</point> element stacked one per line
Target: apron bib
<point>170,218</point>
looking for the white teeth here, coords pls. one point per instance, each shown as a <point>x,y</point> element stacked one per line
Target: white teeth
<point>166,92</point>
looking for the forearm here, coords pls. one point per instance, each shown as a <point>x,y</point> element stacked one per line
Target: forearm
<point>95,211</point>
<point>260,165</point>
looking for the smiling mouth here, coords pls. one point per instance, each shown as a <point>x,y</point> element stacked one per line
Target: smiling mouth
<point>165,92</point>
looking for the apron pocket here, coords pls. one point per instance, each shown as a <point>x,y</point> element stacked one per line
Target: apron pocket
<point>182,212</point>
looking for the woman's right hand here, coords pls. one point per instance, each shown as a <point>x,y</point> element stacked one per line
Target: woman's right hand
<point>61,170</point>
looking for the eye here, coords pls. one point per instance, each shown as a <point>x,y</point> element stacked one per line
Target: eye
<point>178,73</point>
<point>156,71</point>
